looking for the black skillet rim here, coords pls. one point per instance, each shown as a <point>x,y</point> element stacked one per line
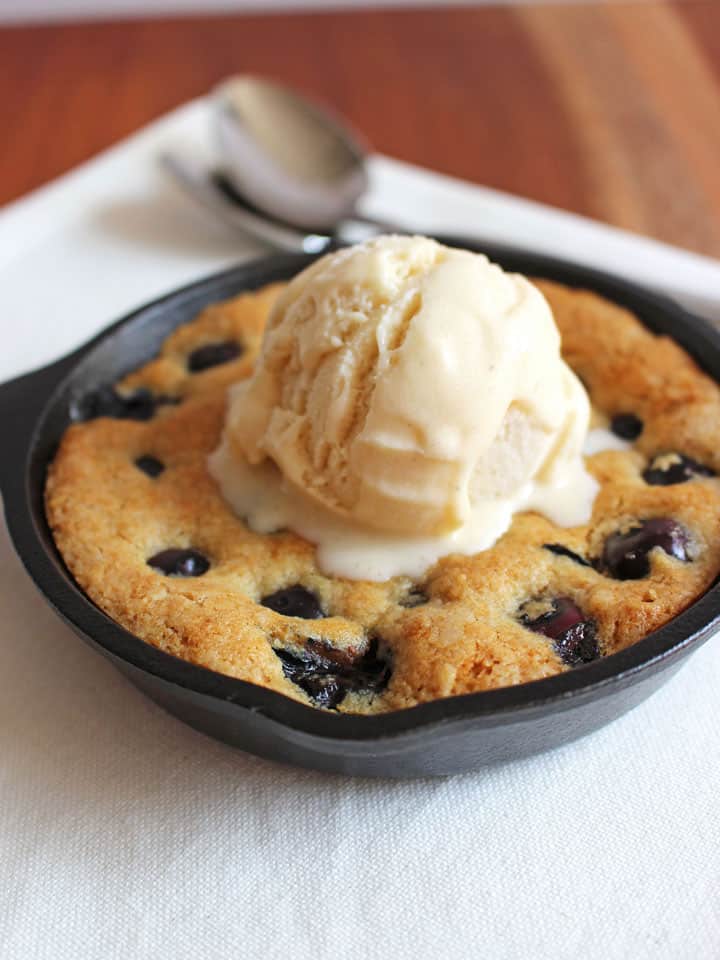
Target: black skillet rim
<point>494,706</point>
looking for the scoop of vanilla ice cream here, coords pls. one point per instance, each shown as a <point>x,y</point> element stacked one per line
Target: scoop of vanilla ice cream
<point>403,385</point>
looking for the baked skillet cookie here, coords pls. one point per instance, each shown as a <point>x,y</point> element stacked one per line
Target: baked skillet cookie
<point>144,530</point>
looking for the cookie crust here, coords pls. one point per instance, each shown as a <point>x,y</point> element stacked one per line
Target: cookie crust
<point>459,630</point>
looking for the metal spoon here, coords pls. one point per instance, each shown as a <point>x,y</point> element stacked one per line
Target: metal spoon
<point>289,157</point>
<point>291,172</point>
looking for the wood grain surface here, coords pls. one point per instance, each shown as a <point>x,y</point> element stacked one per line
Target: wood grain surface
<point>611,110</point>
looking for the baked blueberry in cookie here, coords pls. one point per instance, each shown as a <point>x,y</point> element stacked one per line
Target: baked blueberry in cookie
<point>150,465</point>
<point>669,468</point>
<point>105,401</point>
<point>180,562</point>
<point>327,674</point>
<point>294,601</point>
<point>626,554</point>
<point>574,635</point>
<point>213,354</point>
<point>414,597</point>
<point>339,488</point>
<point>627,426</point>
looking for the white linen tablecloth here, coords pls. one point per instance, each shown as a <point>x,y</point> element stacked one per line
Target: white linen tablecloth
<point>125,834</point>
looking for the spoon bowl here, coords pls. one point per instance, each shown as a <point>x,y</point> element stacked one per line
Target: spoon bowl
<point>288,156</point>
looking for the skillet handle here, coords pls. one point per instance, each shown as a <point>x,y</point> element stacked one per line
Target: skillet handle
<point>21,402</point>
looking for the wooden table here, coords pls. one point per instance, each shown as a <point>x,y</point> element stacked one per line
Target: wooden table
<point>609,110</point>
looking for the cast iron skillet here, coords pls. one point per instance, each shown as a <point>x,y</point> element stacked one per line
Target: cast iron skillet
<point>443,737</point>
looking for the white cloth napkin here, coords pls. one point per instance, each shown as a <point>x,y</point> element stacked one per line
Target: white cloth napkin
<point>125,834</point>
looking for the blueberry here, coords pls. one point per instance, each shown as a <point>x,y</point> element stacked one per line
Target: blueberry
<point>179,562</point>
<point>294,601</point>
<point>328,674</point>
<point>106,402</point>
<point>562,551</point>
<point>669,468</point>
<point>325,689</point>
<point>415,597</point>
<point>573,634</point>
<point>150,465</point>
<point>625,555</point>
<point>626,425</point>
<point>212,355</point>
